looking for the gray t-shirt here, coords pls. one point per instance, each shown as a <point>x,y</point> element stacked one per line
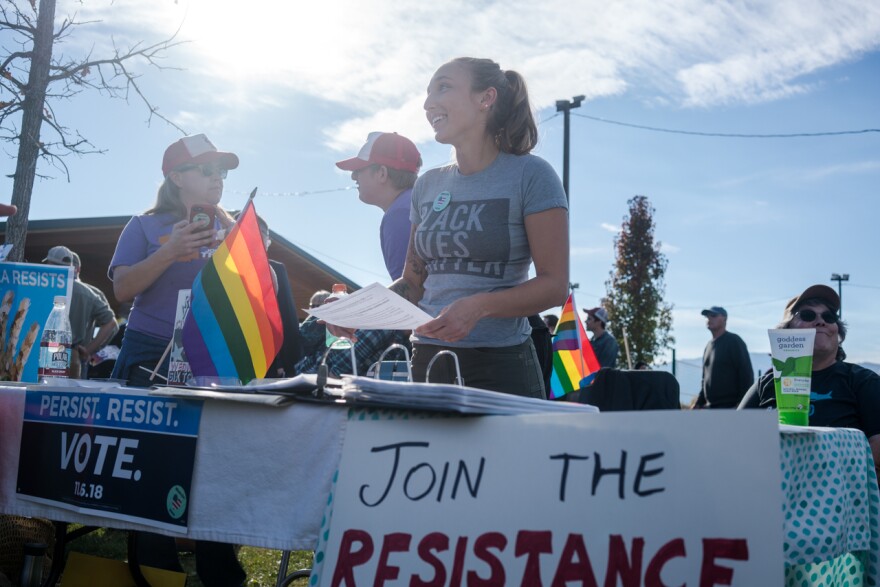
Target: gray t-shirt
<point>477,241</point>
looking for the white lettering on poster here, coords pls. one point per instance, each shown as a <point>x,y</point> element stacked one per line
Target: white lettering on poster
<point>80,448</point>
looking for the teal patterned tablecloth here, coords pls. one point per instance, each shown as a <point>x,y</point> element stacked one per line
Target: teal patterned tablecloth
<point>831,508</point>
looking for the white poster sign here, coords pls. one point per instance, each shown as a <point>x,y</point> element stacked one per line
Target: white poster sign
<point>639,498</point>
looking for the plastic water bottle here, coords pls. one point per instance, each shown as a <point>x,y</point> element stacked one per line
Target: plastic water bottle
<point>338,291</point>
<point>32,565</point>
<point>55,343</point>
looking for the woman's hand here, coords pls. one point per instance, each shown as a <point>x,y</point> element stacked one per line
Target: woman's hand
<point>183,244</point>
<point>456,320</point>
<point>187,238</point>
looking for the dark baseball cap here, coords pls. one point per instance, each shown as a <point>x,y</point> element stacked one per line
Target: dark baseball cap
<point>714,310</point>
<point>59,255</point>
<point>818,291</point>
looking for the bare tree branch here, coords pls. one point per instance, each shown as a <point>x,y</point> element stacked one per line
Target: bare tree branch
<point>32,80</point>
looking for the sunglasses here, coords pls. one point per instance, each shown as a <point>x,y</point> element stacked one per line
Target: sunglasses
<point>207,169</point>
<point>828,316</point>
<point>371,168</point>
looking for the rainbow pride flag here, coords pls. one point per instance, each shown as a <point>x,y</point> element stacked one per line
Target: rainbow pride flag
<point>233,328</point>
<point>574,362</point>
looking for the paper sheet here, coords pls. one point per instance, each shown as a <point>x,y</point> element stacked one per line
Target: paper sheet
<point>370,308</point>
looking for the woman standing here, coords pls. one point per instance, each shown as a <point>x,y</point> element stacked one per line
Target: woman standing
<point>159,253</point>
<point>478,224</point>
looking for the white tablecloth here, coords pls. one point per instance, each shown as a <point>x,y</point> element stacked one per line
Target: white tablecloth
<point>262,474</point>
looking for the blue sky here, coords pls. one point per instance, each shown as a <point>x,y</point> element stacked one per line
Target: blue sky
<point>745,223</point>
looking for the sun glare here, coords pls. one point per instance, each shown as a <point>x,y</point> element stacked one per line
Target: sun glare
<point>264,37</point>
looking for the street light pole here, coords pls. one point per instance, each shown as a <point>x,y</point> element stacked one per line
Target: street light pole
<point>840,278</point>
<point>565,107</point>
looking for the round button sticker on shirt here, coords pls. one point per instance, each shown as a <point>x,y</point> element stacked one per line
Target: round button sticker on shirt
<point>441,201</point>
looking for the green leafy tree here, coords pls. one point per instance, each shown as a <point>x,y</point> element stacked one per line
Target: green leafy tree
<point>635,289</point>
<point>32,79</point>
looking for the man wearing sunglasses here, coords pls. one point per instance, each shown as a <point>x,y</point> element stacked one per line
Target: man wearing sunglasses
<point>727,368</point>
<point>842,395</point>
<point>385,170</point>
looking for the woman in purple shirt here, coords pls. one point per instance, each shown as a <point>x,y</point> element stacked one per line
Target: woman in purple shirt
<point>160,252</point>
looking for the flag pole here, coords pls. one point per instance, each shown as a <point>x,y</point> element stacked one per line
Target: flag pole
<point>249,200</point>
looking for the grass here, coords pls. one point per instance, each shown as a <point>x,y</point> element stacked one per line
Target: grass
<point>260,564</point>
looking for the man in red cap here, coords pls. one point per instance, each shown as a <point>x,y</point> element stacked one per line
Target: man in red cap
<point>385,170</point>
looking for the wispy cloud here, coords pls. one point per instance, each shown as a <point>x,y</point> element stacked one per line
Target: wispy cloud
<point>843,169</point>
<point>373,58</point>
<point>610,227</point>
<point>797,175</point>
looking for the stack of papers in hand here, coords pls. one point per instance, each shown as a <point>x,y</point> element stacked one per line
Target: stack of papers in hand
<point>372,307</point>
<point>448,398</point>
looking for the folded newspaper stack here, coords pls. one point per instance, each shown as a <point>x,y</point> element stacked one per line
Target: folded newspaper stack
<point>447,398</point>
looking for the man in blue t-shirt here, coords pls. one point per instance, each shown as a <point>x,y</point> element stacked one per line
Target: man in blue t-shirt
<point>385,170</point>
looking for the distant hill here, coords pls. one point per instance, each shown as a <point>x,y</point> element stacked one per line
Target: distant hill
<point>689,372</point>
<point>872,366</point>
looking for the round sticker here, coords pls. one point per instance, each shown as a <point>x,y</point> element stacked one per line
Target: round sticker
<point>175,503</point>
<point>441,201</point>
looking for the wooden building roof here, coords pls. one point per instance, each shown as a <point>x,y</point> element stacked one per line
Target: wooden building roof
<point>94,240</point>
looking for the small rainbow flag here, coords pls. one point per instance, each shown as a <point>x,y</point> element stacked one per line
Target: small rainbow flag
<point>574,363</point>
<point>233,328</point>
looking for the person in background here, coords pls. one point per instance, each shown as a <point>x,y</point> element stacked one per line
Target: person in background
<point>318,298</point>
<point>842,395</point>
<point>727,368</point>
<point>604,345</point>
<point>105,334</point>
<point>478,224</point>
<point>102,363</point>
<point>385,170</point>
<point>159,253</point>
<point>312,331</point>
<point>368,345</point>
<point>642,366</point>
<point>551,320</point>
<point>88,308</point>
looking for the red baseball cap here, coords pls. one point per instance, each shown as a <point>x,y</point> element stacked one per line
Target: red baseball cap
<point>8,209</point>
<point>385,148</point>
<point>194,150</point>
